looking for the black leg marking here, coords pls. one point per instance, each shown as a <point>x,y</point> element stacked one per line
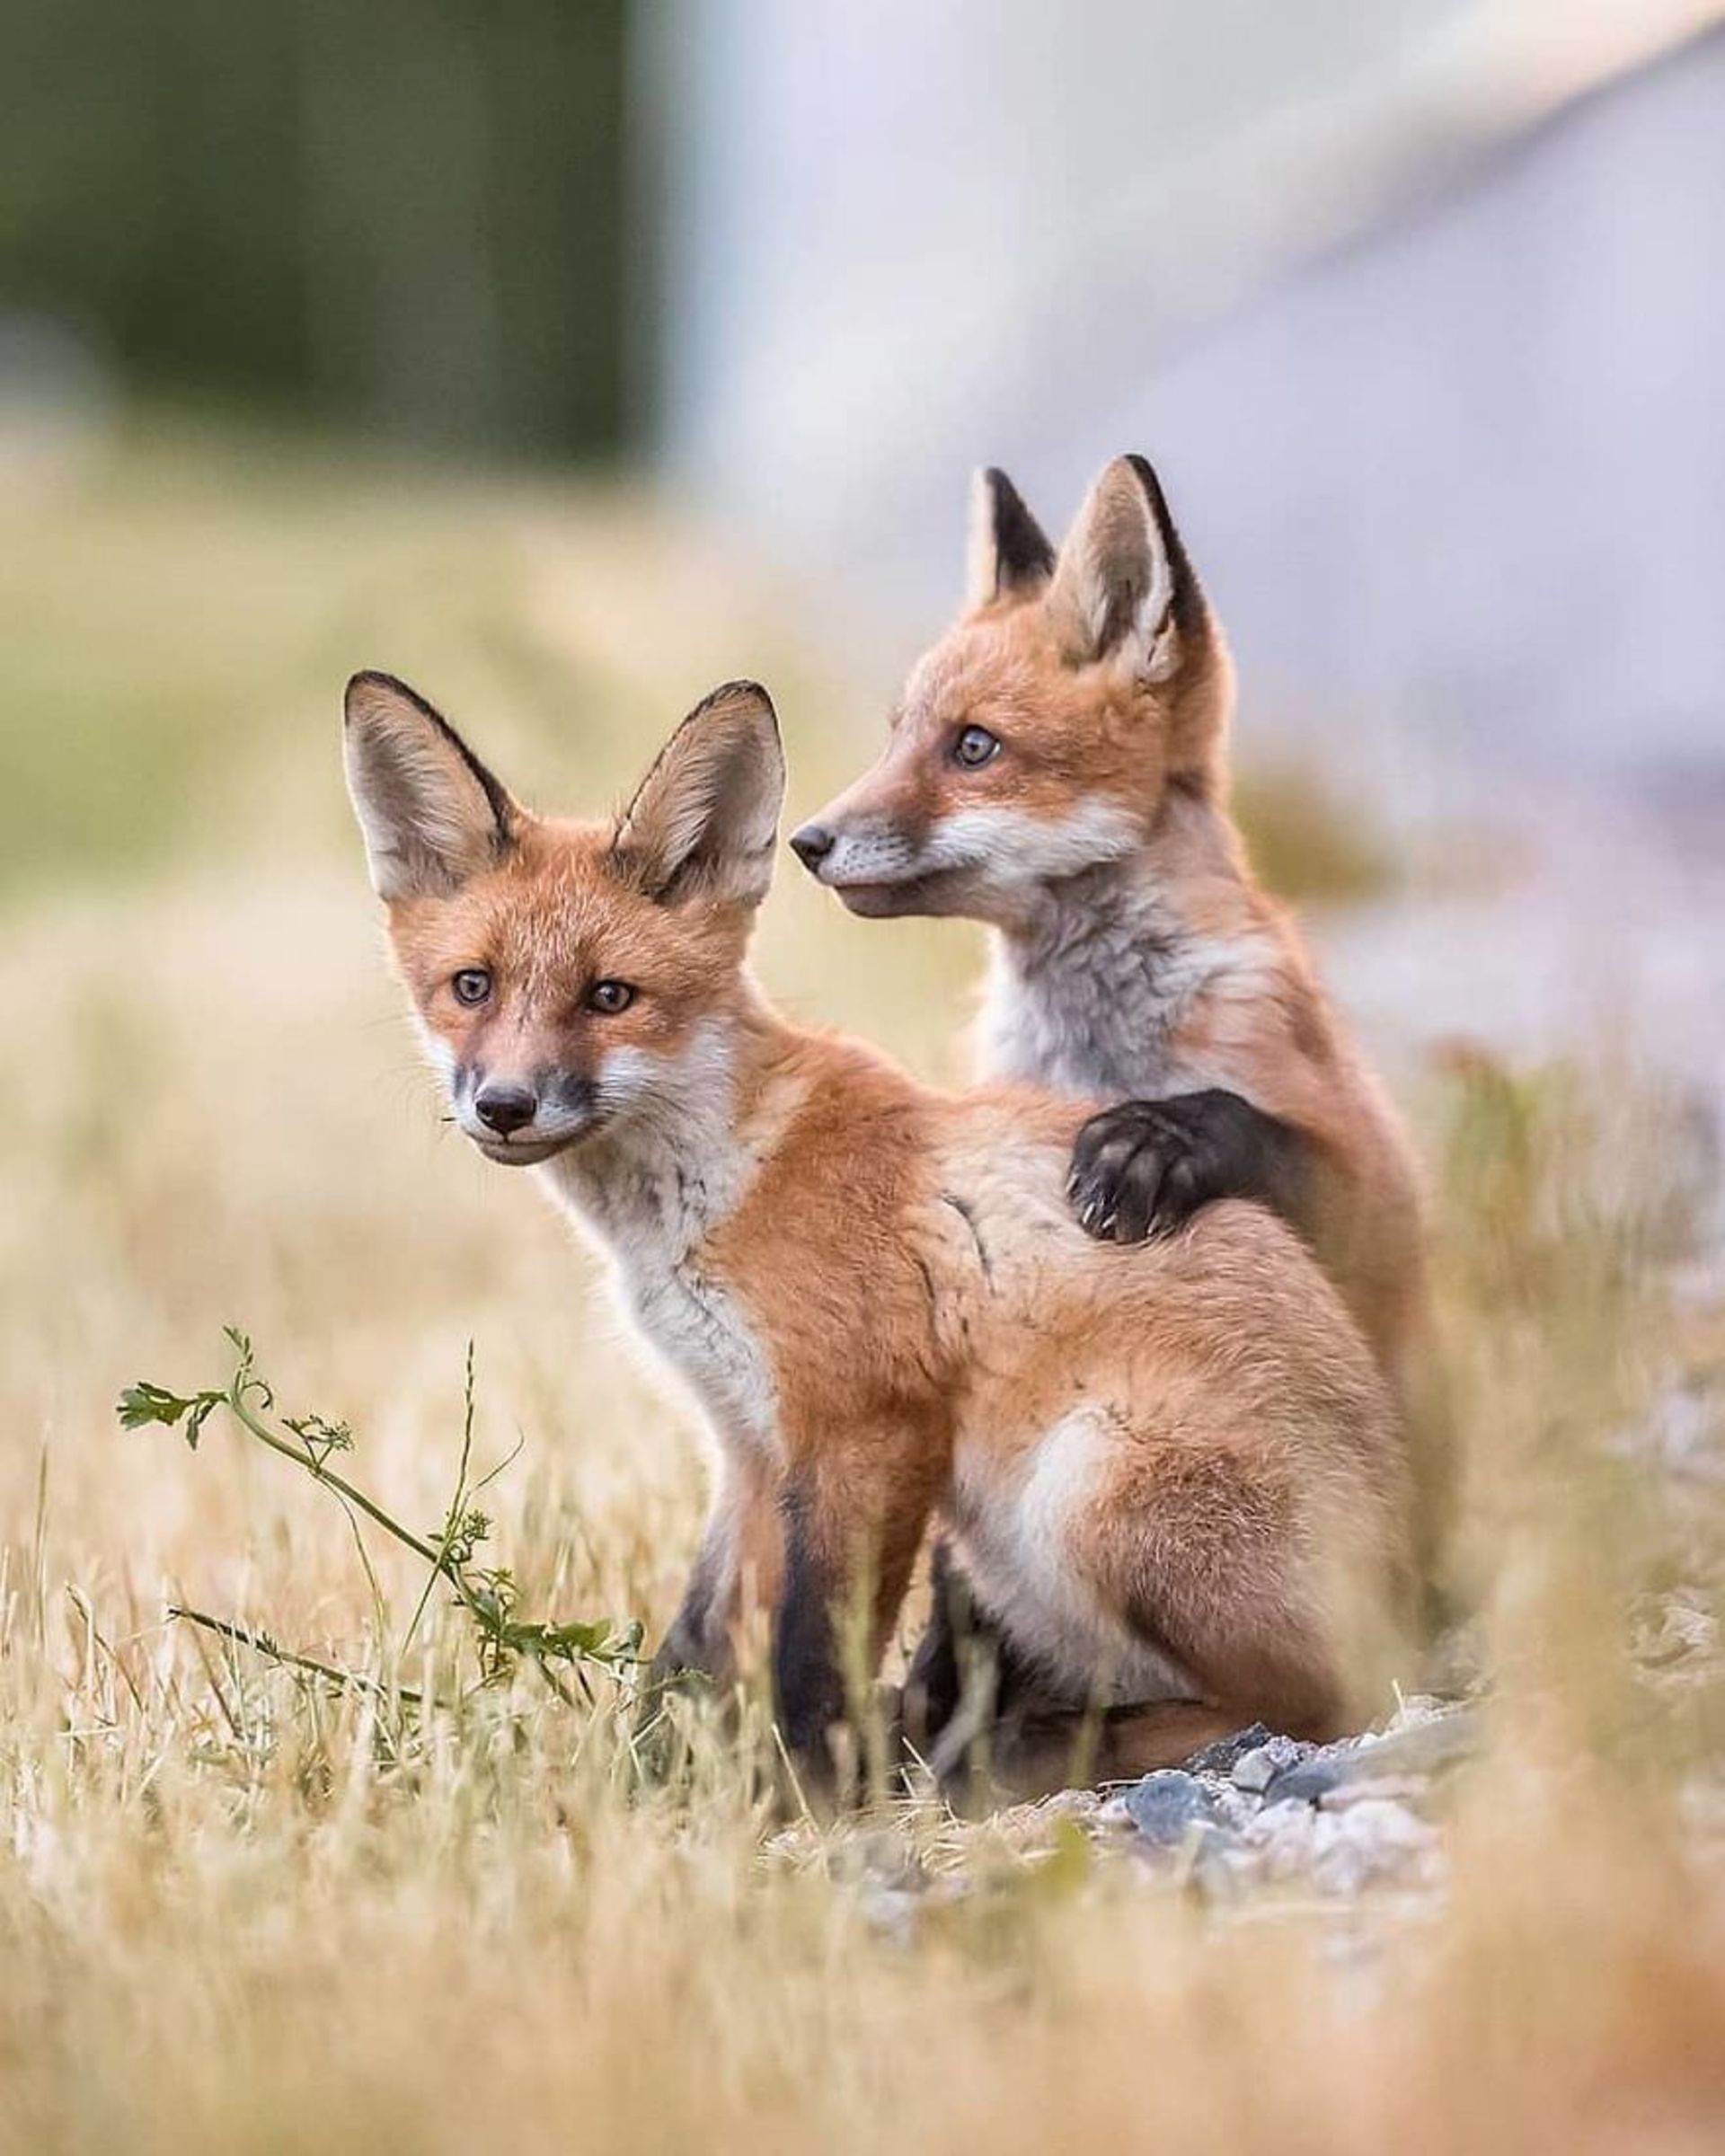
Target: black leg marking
<point>693,1657</point>
<point>967,1682</point>
<point>805,1648</point>
<point>696,1640</point>
<point>935,1681</point>
<point>1145,1167</point>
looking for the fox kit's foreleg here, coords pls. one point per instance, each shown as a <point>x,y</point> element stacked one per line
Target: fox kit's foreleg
<point>853,1517</point>
<point>738,1573</point>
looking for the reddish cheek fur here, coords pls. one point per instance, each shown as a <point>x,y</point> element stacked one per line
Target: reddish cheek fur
<point>547,924</point>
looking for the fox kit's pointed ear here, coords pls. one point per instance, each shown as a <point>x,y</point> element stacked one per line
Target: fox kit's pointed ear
<point>1123,584</point>
<point>430,812</point>
<point>1010,556</point>
<point>704,821</point>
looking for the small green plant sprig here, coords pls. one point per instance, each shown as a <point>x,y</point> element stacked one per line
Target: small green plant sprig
<point>488,1593</point>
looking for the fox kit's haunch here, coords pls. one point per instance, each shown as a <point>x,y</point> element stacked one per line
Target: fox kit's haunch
<point>1174,1475</point>
<point>1057,767</point>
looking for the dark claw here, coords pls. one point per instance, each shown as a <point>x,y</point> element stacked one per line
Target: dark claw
<point>1145,1167</point>
<point>1138,1188</point>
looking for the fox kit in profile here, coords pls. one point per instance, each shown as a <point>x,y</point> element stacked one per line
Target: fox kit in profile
<point>1175,1474</point>
<point>1057,767</point>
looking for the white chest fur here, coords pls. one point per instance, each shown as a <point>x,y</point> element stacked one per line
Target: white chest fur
<point>655,1194</point>
<point>1090,999</point>
<point>702,1332</point>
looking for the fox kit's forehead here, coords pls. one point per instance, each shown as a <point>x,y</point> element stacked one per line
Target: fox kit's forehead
<point>1001,667</point>
<point>552,916</point>
<point>996,658</point>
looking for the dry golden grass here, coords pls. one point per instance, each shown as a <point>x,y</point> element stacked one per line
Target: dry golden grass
<point>238,1912</point>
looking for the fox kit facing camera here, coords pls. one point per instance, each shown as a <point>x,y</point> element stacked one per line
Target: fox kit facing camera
<point>1173,1474</point>
<point>1057,767</point>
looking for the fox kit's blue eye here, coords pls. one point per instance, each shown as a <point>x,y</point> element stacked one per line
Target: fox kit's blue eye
<point>976,747</point>
<point>609,997</point>
<point>472,984</point>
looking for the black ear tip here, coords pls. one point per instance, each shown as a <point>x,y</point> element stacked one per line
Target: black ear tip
<point>371,681</point>
<point>360,689</point>
<point>1145,471</point>
<point>741,694</point>
<point>744,690</point>
<point>1022,555</point>
<point>1003,496</point>
<point>1188,603</point>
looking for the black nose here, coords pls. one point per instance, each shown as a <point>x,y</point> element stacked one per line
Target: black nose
<point>812,845</point>
<point>505,1107</point>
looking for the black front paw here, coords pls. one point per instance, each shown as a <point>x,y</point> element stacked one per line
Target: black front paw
<point>681,1662</point>
<point>1146,1167</point>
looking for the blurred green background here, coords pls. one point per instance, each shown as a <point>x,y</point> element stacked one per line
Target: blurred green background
<point>407,216</point>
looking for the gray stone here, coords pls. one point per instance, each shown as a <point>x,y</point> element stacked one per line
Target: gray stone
<point>1220,1867</point>
<point>1419,1742</point>
<point>1378,1840</point>
<point>1166,1803</point>
<point>1426,1746</point>
<point>1342,1852</point>
<point>1396,1789</point>
<point>1256,1770</point>
<point>1309,1782</point>
<point>1234,1807</point>
<point>1283,1835</point>
<point>1220,1757</point>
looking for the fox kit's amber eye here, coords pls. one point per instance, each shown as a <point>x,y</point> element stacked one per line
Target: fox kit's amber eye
<point>976,747</point>
<point>472,984</point>
<point>610,997</point>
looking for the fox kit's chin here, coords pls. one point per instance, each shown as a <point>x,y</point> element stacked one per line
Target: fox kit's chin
<point>934,893</point>
<point>529,1153</point>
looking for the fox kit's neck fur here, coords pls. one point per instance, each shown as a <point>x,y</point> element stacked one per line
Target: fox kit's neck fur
<point>1096,990</point>
<point>656,1184</point>
<point>1175,1475</point>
